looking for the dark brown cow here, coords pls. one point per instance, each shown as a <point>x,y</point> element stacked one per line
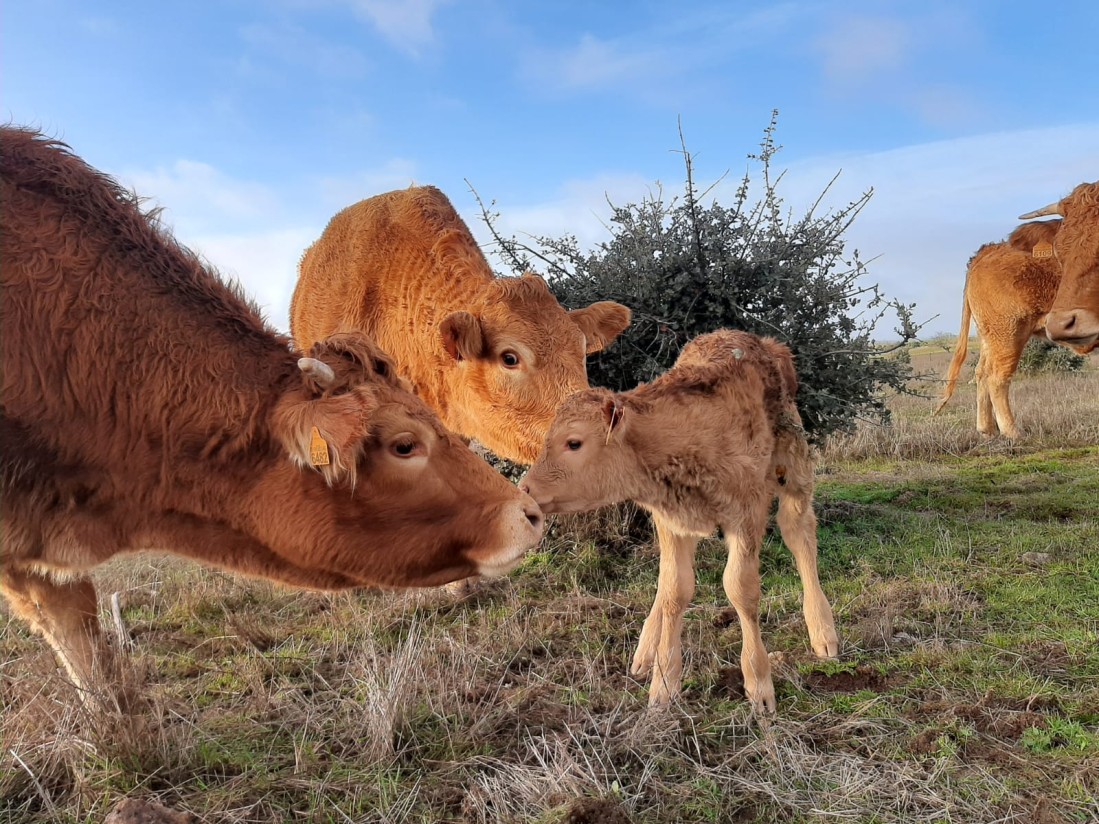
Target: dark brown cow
<point>492,356</point>
<point>146,405</point>
<point>708,444</point>
<point>1009,288</point>
<point>1074,316</point>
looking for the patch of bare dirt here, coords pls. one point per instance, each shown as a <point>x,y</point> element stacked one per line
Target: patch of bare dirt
<point>863,678</point>
<point>136,811</point>
<point>730,684</point>
<point>595,811</point>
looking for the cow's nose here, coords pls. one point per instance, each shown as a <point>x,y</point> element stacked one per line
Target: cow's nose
<point>524,488</point>
<point>1061,325</point>
<point>534,516</point>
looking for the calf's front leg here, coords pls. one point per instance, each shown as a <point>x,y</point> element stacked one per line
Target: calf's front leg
<point>660,648</point>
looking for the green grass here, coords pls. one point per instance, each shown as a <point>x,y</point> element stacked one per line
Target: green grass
<point>965,587</point>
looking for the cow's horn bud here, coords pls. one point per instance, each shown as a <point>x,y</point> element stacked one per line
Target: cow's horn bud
<point>318,370</point>
<point>1051,209</point>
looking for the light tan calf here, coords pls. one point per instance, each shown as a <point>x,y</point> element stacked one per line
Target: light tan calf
<point>707,445</point>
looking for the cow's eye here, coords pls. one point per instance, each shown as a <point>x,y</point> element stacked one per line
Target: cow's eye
<point>405,447</point>
<point>574,445</point>
<point>509,359</point>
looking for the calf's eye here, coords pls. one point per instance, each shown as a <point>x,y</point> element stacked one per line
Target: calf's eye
<point>573,445</point>
<point>509,359</point>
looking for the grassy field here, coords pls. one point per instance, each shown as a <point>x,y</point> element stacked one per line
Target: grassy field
<point>965,578</point>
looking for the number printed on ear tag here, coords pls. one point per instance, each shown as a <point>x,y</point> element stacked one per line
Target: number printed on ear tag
<point>318,449</point>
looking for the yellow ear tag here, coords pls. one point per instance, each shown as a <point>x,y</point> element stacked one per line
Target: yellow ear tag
<point>318,449</point>
<point>1042,250</point>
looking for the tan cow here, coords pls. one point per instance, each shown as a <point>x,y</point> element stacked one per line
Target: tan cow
<point>1009,288</point>
<point>145,405</point>
<point>707,445</point>
<point>1074,316</point>
<point>492,356</point>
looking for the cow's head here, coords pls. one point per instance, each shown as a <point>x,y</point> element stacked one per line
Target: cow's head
<point>514,358</point>
<point>587,460</point>
<point>389,496</point>
<point>1074,317</point>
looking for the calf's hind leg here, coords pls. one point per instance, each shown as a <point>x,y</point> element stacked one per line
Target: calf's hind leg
<point>741,579</point>
<point>64,613</point>
<point>798,524</point>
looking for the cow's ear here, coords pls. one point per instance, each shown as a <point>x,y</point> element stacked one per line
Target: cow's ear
<point>601,323</point>
<point>613,413</point>
<point>326,434</point>
<point>462,337</point>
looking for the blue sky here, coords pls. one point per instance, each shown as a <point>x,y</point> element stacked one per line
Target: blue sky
<point>253,121</point>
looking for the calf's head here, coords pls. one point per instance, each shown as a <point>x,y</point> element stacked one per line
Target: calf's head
<point>376,490</point>
<point>587,461</point>
<point>1074,317</point>
<point>516,356</point>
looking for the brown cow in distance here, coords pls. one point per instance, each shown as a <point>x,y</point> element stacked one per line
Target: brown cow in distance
<point>492,356</point>
<point>1074,316</point>
<point>708,444</point>
<point>146,405</point>
<point>1009,288</point>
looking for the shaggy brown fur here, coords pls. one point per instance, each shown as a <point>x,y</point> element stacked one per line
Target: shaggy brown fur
<point>1008,291</point>
<point>492,356</point>
<point>1074,316</point>
<point>707,445</point>
<point>145,405</point>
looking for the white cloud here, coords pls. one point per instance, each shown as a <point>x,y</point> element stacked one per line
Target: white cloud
<point>338,192</point>
<point>299,47</point>
<point>406,23</point>
<point>597,64</point>
<point>197,198</point>
<point>855,49</point>
<point>934,205</point>
<point>264,263</point>
<point>252,232</point>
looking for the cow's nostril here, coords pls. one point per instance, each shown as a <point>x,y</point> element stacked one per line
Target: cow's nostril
<point>524,488</point>
<point>534,516</point>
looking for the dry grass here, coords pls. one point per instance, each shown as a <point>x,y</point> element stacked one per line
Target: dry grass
<point>1054,411</point>
<point>966,692</point>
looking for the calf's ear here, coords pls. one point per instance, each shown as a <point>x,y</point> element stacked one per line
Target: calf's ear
<point>462,337</point>
<point>326,434</point>
<point>613,412</point>
<point>601,323</point>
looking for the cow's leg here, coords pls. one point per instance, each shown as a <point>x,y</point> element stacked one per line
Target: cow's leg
<point>744,537</point>
<point>798,524</point>
<point>986,419</point>
<point>64,613</point>
<point>660,648</point>
<point>1000,372</point>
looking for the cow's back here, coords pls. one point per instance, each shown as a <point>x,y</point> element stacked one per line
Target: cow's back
<point>726,353</point>
<point>1005,285</point>
<point>385,266</point>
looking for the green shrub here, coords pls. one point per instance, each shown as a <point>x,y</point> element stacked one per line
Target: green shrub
<point>685,267</point>
<point>1043,356</point>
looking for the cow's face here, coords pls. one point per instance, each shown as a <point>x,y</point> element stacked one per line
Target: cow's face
<point>586,461</point>
<point>516,357</point>
<point>1074,317</point>
<point>395,499</point>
